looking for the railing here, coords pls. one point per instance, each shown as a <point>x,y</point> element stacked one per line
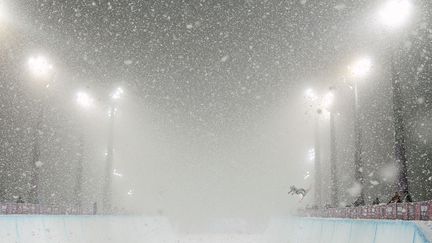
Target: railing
<point>401,211</point>
<point>27,208</point>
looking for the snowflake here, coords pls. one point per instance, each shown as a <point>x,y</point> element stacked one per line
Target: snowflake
<point>38,164</point>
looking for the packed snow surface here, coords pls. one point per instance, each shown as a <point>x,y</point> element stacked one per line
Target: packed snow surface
<point>125,229</point>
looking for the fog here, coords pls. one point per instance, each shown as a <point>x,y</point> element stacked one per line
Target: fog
<point>214,122</point>
<point>179,166</point>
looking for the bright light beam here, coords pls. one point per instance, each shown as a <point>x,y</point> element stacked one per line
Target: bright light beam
<point>361,67</point>
<point>116,173</point>
<point>117,94</point>
<point>84,100</point>
<point>307,175</point>
<point>328,100</point>
<point>395,13</point>
<point>39,66</point>
<point>310,95</point>
<point>311,154</point>
<point>4,13</point>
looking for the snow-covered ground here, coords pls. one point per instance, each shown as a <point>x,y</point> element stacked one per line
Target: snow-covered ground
<point>136,229</point>
<point>218,238</point>
<point>310,230</point>
<point>84,229</point>
<point>426,227</point>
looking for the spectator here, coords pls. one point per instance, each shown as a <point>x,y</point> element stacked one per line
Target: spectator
<point>376,201</point>
<point>359,202</point>
<point>95,209</point>
<point>408,198</point>
<point>20,200</point>
<point>395,199</point>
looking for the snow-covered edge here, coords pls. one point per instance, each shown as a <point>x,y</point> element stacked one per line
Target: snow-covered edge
<point>423,228</point>
<point>426,228</point>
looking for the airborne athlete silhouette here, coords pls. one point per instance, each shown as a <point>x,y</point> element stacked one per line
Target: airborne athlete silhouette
<point>298,191</point>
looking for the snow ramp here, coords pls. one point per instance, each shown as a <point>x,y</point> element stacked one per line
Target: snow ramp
<point>318,230</point>
<point>84,229</point>
<point>139,229</point>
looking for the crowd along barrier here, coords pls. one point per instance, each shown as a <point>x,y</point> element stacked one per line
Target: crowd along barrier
<point>400,211</point>
<point>27,208</point>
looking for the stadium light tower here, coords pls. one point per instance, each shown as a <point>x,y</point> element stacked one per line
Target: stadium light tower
<point>359,69</point>
<point>40,69</point>
<point>116,95</point>
<point>328,104</point>
<point>85,102</point>
<point>312,97</point>
<point>321,104</point>
<point>393,15</point>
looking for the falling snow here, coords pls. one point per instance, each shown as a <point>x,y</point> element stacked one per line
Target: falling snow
<point>212,109</point>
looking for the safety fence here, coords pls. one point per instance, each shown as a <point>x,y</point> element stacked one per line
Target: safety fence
<point>401,211</point>
<point>27,208</point>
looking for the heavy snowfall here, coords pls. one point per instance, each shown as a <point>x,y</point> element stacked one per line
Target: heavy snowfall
<point>216,120</point>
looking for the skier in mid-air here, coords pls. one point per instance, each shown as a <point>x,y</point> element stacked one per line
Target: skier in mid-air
<point>298,191</point>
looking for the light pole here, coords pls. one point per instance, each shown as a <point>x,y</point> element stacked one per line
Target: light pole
<point>85,101</point>
<point>359,69</point>
<point>393,15</point>
<point>328,105</point>
<point>41,70</point>
<point>312,97</point>
<point>107,187</point>
<point>324,102</point>
<point>317,162</point>
<point>333,162</point>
